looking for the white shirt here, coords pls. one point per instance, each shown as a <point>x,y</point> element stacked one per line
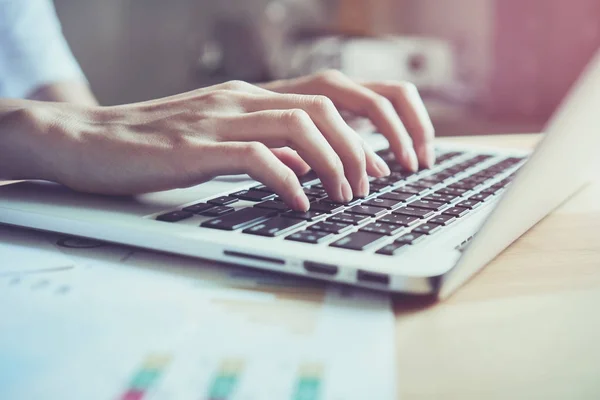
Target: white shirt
<point>33,50</point>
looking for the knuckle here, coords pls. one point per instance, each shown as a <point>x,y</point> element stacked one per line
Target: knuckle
<point>407,87</point>
<point>322,104</point>
<point>358,153</point>
<point>218,97</point>
<point>335,167</point>
<point>288,178</point>
<point>331,75</point>
<point>295,119</point>
<point>379,103</point>
<point>236,85</point>
<point>254,151</point>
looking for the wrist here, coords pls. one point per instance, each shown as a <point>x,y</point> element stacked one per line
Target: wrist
<point>35,139</point>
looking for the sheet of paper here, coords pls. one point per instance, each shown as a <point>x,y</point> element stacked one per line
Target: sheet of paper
<point>127,324</point>
<point>25,252</point>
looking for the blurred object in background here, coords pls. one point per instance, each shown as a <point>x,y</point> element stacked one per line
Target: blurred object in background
<point>540,48</point>
<point>253,43</point>
<point>484,66</point>
<point>428,63</point>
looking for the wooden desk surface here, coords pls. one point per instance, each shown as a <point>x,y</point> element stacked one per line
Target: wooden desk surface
<point>528,326</point>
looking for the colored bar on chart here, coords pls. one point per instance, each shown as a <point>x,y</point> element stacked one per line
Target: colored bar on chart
<point>310,382</point>
<point>146,376</point>
<point>226,379</point>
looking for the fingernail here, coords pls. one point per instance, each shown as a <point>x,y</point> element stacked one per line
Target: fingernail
<point>364,187</point>
<point>346,191</point>
<point>384,169</point>
<point>411,158</point>
<point>301,202</point>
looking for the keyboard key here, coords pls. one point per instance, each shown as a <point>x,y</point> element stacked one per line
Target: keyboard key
<point>442,220</point>
<point>376,187</point>
<point>373,190</point>
<point>315,192</point>
<point>352,202</point>
<point>403,220</point>
<point>442,198</point>
<point>453,191</point>
<point>427,228</point>
<point>392,248</point>
<point>491,191</point>
<point>430,205</point>
<point>471,204</point>
<point>308,236</point>
<point>329,208</point>
<point>223,200</point>
<point>383,228</point>
<point>385,181</point>
<point>252,195</point>
<point>435,179</point>
<point>331,227</point>
<point>383,203</point>
<point>462,185</point>
<point>263,188</point>
<point>447,156</point>
<point>308,178</point>
<point>307,216</point>
<point>345,218</point>
<point>398,196</point>
<point>239,219</point>
<point>456,212</point>
<point>415,212</point>
<point>412,190</point>
<point>198,208</point>
<point>359,241</point>
<point>480,197</point>
<point>174,216</point>
<point>425,184</point>
<point>501,184</point>
<point>276,226</point>
<point>397,176</point>
<point>217,211</point>
<point>474,181</point>
<point>273,205</point>
<point>367,210</point>
<point>386,155</point>
<point>410,238</point>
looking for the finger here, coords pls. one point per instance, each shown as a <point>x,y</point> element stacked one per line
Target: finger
<point>256,160</point>
<point>291,158</point>
<point>295,129</point>
<point>409,105</point>
<point>344,140</point>
<point>349,95</point>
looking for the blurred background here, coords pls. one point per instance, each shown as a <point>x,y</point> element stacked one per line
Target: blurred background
<point>483,66</point>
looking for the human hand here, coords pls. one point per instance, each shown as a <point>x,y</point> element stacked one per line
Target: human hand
<point>232,128</point>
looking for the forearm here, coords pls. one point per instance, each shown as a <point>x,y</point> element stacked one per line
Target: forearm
<point>68,92</point>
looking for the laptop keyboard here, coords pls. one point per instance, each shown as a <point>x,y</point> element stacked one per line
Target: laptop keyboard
<point>401,209</point>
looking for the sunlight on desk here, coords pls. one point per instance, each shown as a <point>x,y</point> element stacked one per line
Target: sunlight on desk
<point>526,326</point>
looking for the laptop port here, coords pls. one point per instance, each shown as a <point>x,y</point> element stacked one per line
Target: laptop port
<point>318,268</point>
<point>253,257</point>
<point>373,278</point>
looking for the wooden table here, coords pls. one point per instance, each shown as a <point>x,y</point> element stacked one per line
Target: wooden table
<point>527,327</point>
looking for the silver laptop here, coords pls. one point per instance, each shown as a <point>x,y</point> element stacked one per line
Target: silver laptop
<point>422,233</point>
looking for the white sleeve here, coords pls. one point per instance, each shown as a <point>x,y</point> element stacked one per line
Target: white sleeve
<point>33,50</point>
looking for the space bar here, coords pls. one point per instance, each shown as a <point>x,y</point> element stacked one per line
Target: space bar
<point>239,219</point>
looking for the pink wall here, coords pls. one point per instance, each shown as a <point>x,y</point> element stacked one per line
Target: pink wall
<point>540,47</point>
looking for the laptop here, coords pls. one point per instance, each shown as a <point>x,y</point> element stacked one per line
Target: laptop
<point>420,233</point>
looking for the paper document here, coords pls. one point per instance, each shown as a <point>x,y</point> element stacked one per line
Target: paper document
<point>111,328</point>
